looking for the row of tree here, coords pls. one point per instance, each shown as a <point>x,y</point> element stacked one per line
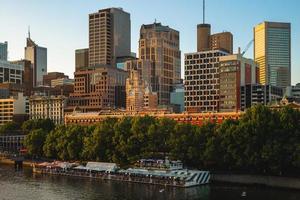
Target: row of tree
<point>262,141</point>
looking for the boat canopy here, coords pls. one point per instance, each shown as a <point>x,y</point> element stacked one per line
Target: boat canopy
<point>101,166</point>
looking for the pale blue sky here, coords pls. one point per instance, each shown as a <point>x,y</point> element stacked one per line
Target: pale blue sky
<point>62,25</point>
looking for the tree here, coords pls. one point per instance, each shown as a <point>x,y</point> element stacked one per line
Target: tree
<point>45,124</point>
<point>181,142</point>
<point>70,143</point>
<point>9,128</point>
<point>158,135</point>
<point>122,130</point>
<point>51,142</point>
<point>99,145</point>
<point>34,142</point>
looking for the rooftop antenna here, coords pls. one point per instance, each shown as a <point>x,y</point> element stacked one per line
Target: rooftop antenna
<point>28,31</point>
<point>203,11</point>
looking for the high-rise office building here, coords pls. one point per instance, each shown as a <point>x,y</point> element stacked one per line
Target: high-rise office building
<point>218,41</point>
<point>109,36</point>
<point>272,52</point>
<point>81,59</point>
<point>201,81</point>
<point>38,57</point>
<point>160,44</point>
<point>3,51</point>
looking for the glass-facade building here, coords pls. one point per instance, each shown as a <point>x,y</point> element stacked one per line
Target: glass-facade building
<point>38,57</point>
<point>272,52</point>
<point>3,51</point>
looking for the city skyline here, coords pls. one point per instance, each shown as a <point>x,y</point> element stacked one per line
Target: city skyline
<point>61,37</point>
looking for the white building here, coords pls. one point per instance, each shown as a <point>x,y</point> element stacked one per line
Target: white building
<point>44,107</point>
<point>10,107</point>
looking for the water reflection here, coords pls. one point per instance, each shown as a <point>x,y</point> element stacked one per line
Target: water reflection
<point>25,185</point>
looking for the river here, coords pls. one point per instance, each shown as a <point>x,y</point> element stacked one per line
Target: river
<point>25,185</point>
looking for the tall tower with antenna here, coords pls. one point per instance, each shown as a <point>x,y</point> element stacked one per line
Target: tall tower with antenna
<point>203,34</point>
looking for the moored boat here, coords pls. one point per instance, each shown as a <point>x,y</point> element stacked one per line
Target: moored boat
<point>148,171</point>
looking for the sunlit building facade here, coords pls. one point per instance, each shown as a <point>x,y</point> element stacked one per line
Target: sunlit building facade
<point>272,52</point>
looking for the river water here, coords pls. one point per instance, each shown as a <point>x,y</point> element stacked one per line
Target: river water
<point>25,185</point>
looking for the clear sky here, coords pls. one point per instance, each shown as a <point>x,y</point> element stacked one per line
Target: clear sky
<point>62,25</point>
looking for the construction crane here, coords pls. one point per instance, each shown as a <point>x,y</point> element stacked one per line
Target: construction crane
<point>247,47</point>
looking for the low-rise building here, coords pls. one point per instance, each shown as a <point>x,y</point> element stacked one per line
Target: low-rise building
<point>47,78</point>
<point>62,81</point>
<point>253,94</point>
<point>48,107</point>
<point>177,97</point>
<point>192,118</point>
<point>13,108</point>
<point>293,93</point>
<point>10,72</point>
<point>235,71</point>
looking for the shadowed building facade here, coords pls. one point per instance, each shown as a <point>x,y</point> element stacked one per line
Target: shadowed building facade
<point>98,89</point>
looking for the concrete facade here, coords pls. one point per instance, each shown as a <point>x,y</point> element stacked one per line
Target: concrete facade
<point>201,80</point>
<point>98,89</point>
<point>218,41</point>
<point>235,71</point>
<point>253,94</point>
<point>44,107</point>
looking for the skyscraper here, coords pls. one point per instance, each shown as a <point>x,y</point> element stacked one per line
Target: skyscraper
<point>272,52</point>
<point>38,57</point>
<point>3,51</point>
<point>160,44</point>
<point>109,36</point>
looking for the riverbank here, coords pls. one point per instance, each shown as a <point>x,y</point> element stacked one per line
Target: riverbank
<point>7,161</point>
<point>270,181</point>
